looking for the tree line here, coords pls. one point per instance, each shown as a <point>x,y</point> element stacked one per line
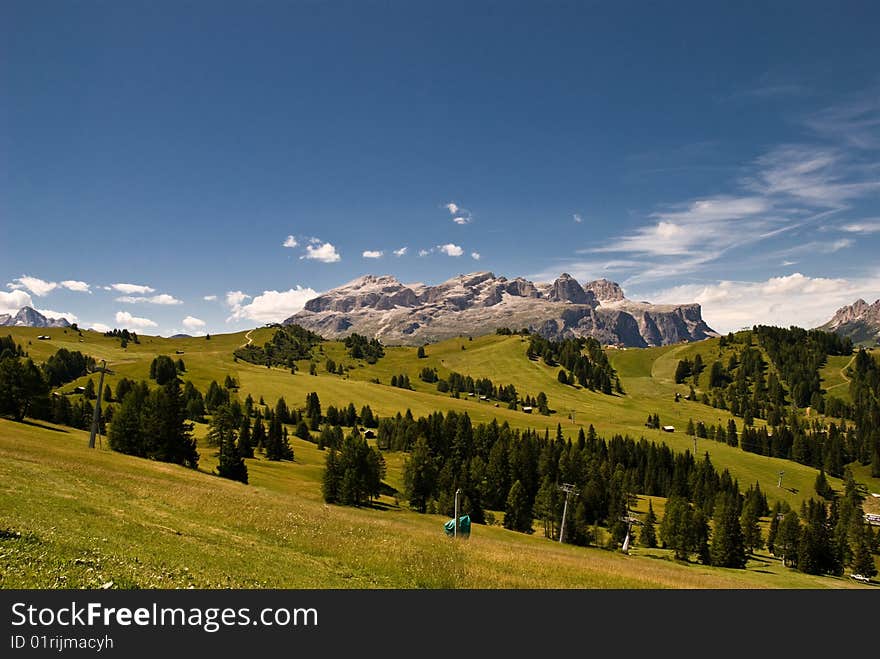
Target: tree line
<point>591,370</point>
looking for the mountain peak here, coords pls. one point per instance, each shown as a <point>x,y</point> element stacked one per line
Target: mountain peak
<point>859,321</point>
<point>30,317</point>
<point>480,302</point>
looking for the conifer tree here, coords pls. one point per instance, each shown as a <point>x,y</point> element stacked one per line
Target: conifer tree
<point>863,561</point>
<point>517,511</point>
<point>647,534</point>
<point>331,478</point>
<point>728,548</point>
<point>245,445</point>
<point>223,433</point>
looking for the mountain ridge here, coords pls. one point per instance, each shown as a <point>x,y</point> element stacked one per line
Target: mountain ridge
<point>859,321</point>
<point>30,317</point>
<point>480,303</point>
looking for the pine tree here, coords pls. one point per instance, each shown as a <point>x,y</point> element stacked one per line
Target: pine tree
<point>517,511</point>
<point>647,534</point>
<point>222,430</point>
<point>331,478</point>
<point>245,446</point>
<point>728,548</point>
<point>108,393</point>
<point>419,475</point>
<point>751,531</point>
<point>863,561</point>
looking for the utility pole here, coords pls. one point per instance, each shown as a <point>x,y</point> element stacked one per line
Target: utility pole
<point>457,493</point>
<point>97,414</point>
<point>695,447</point>
<point>569,489</point>
<point>779,484</point>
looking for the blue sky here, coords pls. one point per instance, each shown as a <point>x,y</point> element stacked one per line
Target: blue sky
<point>156,157</point>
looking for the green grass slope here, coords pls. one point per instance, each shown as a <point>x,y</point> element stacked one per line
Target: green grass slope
<point>72,517</point>
<point>647,376</point>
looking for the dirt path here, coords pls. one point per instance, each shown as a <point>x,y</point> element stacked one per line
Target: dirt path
<point>249,339</point>
<point>843,375</point>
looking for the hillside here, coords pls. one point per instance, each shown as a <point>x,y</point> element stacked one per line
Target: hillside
<point>66,500</point>
<point>480,302</point>
<point>71,517</point>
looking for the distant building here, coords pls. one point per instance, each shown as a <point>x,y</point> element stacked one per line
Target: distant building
<point>668,428</point>
<point>43,337</point>
<point>369,434</point>
<point>527,409</point>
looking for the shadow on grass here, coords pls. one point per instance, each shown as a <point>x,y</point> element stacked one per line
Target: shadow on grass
<point>35,424</point>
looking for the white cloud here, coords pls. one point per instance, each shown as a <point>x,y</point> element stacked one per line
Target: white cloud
<point>862,226</point>
<point>131,289</point>
<point>100,327</point>
<point>127,321</point>
<point>855,122</point>
<point>324,252</point>
<point>77,286</point>
<point>163,298</point>
<point>193,324</point>
<point>400,252</point>
<point>35,285</point>
<point>11,302</point>
<point>475,256</point>
<point>271,306</point>
<point>373,254</point>
<point>809,175</point>
<point>290,241</point>
<point>703,223</point>
<point>50,313</point>
<point>793,299</point>
<point>425,252</point>
<point>235,298</point>
<point>450,249</point>
<point>459,215</point>
<point>209,298</point>
<point>577,218</point>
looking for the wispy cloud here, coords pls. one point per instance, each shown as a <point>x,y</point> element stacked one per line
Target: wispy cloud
<point>290,241</point>
<point>100,327</point>
<point>132,289</point>
<point>323,252</point>
<point>577,218</point>
<point>163,299</point>
<point>425,252</point>
<point>127,321</point>
<point>209,298</point>
<point>400,252</point>
<point>862,226</point>
<point>372,254</point>
<point>855,122</point>
<point>475,256</point>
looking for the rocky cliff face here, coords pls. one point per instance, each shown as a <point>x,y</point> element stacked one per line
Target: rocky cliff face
<point>480,303</point>
<point>30,317</point>
<point>859,321</point>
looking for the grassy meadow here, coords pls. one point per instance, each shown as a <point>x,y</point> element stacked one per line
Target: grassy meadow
<point>72,517</point>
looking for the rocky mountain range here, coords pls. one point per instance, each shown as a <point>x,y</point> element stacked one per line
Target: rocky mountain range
<point>480,303</point>
<point>859,321</point>
<point>30,317</point>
